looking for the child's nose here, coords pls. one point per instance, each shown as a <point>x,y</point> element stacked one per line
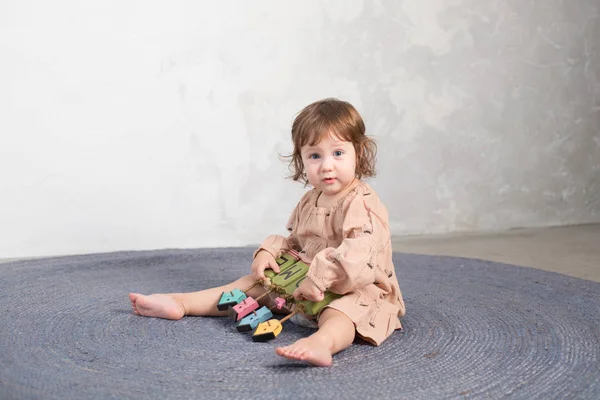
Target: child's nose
<point>327,163</point>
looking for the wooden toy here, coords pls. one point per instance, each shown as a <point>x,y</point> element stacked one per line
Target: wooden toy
<point>279,302</point>
<point>256,317</point>
<point>270,329</point>
<point>239,311</point>
<point>230,299</point>
<point>247,306</point>
<point>289,278</point>
<point>244,309</point>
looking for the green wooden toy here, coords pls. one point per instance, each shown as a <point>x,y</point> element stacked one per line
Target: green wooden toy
<point>288,280</point>
<point>244,309</point>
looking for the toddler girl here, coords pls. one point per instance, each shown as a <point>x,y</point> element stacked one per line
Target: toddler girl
<point>340,228</point>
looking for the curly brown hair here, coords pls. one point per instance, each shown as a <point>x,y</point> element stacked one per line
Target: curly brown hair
<point>331,116</point>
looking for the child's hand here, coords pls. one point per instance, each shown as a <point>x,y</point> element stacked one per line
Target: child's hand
<point>262,261</point>
<point>308,291</point>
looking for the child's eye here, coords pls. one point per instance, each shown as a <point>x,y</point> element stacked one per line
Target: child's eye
<point>338,153</point>
<point>314,156</point>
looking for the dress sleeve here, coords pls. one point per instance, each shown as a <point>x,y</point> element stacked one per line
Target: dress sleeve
<point>278,244</point>
<point>352,265</point>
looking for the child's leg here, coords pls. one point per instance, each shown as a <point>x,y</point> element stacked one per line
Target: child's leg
<point>202,303</point>
<point>336,333</point>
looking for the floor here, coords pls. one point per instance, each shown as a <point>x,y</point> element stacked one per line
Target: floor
<point>569,250</point>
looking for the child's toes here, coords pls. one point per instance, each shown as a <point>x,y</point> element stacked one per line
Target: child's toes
<point>283,351</point>
<point>302,354</point>
<point>299,353</point>
<point>292,352</point>
<point>295,352</point>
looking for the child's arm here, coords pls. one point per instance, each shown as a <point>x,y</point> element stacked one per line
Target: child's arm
<point>276,245</point>
<point>353,264</point>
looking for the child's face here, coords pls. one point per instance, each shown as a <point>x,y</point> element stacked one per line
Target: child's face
<point>330,165</point>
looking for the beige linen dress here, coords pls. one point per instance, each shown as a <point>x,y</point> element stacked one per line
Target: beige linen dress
<point>348,248</point>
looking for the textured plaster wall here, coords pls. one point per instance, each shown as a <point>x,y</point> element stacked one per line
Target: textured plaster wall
<point>150,124</point>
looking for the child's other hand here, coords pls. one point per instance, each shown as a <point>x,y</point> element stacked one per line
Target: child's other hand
<point>308,291</point>
<point>262,261</point>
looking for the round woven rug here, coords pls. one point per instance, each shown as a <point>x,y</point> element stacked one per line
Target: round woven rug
<point>473,329</point>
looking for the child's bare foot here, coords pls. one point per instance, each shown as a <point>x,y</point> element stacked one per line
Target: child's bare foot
<point>312,349</point>
<point>156,305</point>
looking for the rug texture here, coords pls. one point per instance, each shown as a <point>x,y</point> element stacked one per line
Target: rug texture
<point>473,329</point>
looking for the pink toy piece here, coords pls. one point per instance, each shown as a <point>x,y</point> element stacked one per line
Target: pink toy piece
<point>244,308</point>
<point>279,302</point>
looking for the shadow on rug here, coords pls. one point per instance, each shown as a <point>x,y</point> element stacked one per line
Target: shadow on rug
<point>473,329</point>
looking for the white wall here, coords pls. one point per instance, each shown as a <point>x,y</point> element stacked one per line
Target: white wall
<point>155,124</point>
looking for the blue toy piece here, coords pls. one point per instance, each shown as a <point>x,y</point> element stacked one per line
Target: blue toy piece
<point>230,299</point>
<point>251,321</point>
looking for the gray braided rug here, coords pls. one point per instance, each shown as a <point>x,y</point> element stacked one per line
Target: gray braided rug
<point>474,329</point>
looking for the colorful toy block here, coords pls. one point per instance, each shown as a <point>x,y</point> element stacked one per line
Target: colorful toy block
<point>288,280</point>
<point>279,303</point>
<point>267,331</point>
<point>252,320</point>
<point>230,299</point>
<point>292,271</point>
<point>239,311</point>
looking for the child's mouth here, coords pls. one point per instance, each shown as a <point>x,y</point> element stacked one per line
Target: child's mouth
<point>329,180</point>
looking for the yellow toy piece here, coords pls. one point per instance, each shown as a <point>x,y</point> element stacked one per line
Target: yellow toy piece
<point>267,330</point>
